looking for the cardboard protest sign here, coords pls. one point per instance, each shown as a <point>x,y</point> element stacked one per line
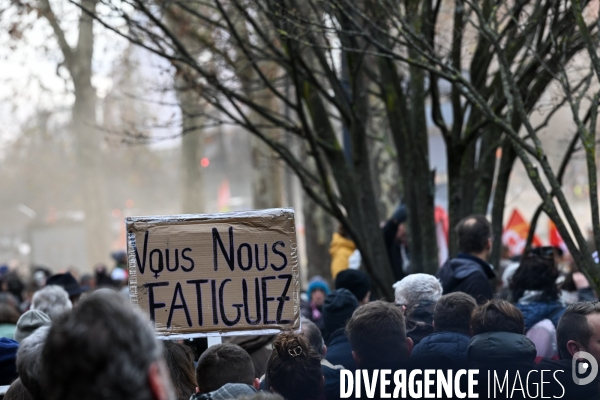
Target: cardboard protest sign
<point>230,273</point>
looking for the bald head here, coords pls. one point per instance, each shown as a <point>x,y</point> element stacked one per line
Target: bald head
<point>474,233</point>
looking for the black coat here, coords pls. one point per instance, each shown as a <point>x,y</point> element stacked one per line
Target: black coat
<point>571,390</point>
<point>451,344</point>
<point>339,350</point>
<point>468,274</point>
<point>500,349</point>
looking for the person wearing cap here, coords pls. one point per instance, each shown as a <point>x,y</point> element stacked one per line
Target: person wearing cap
<point>313,308</point>
<point>70,284</point>
<point>29,322</point>
<point>356,282</point>
<point>337,310</point>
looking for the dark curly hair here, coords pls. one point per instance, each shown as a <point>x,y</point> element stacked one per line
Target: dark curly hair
<point>535,273</point>
<point>294,368</point>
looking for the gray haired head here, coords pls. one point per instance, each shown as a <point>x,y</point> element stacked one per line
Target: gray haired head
<point>52,300</point>
<point>311,332</point>
<point>101,350</point>
<point>416,288</point>
<point>29,362</point>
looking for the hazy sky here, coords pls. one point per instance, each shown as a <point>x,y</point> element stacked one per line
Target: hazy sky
<point>29,79</point>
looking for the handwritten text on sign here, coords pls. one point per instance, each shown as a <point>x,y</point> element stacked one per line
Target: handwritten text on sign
<point>219,273</point>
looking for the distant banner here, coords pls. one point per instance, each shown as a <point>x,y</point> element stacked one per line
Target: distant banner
<point>515,234</point>
<point>555,239</point>
<point>232,273</point>
<point>441,232</point>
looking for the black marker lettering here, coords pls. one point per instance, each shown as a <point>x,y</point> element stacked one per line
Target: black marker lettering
<point>245,297</point>
<point>258,266</point>
<point>183,306</point>
<point>229,258</point>
<point>176,260</point>
<point>249,252</point>
<point>198,282</point>
<point>274,248</point>
<point>222,306</point>
<point>151,304</point>
<point>160,263</point>
<point>283,298</point>
<point>213,289</point>
<point>187,258</point>
<point>266,300</point>
<point>142,266</point>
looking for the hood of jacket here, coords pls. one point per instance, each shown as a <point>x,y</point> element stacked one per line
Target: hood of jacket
<point>340,243</point>
<point>501,348</point>
<point>460,268</point>
<point>451,344</point>
<point>534,312</point>
<point>226,392</point>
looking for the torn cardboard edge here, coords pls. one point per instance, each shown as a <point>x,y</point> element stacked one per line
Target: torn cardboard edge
<point>256,219</point>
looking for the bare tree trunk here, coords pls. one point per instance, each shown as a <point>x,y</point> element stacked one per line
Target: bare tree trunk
<point>88,144</point>
<point>267,191</point>
<point>192,139</point>
<point>192,180</point>
<point>319,227</point>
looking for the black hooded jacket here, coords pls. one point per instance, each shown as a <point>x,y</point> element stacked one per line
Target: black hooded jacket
<point>468,274</point>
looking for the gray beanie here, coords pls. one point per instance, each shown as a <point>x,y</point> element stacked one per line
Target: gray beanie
<point>29,322</point>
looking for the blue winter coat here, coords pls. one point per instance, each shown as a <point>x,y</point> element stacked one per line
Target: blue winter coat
<point>534,312</point>
<point>339,350</point>
<point>451,344</point>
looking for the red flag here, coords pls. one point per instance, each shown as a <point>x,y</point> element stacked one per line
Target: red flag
<point>555,239</point>
<point>515,234</point>
<point>441,230</point>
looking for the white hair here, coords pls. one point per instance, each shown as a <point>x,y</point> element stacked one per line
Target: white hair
<point>52,300</point>
<point>417,287</point>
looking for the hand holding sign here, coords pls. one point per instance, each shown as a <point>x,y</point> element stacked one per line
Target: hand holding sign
<point>199,274</point>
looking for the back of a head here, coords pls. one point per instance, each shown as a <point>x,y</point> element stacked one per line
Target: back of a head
<point>103,349</point>
<point>573,325</point>
<point>338,309</point>
<point>313,334</point>
<point>497,316</point>
<point>294,368</point>
<point>377,334</point>
<point>416,288</point>
<point>29,362</point>
<point>221,364</point>
<point>535,273</point>
<point>8,314</point>
<point>17,391</point>
<point>452,313</point>
<point>473,233</point>
<point>180,363</point>
<point>52,300</point>
<point>356,281</point>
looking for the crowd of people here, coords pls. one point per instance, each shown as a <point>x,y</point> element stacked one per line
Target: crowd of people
<point>73,340</point>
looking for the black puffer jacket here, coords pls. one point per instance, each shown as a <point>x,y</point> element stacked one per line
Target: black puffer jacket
<point>504,361</point>
<point>501,349</point>
<point>468,274</point>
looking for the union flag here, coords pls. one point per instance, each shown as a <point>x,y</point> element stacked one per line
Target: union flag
<point>515,234</point>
